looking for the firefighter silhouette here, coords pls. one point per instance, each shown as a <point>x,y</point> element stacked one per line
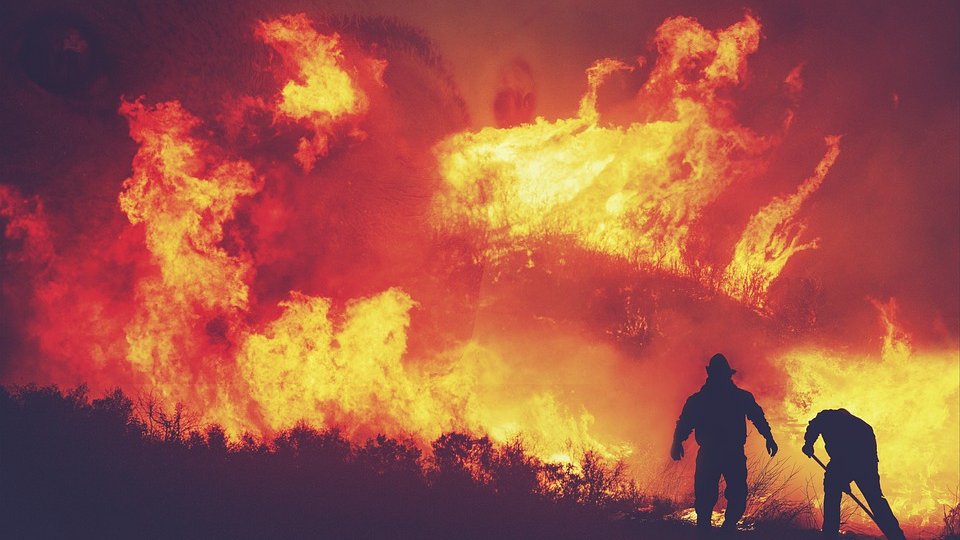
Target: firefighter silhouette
<point>852,447</point>
<point>716,413</point>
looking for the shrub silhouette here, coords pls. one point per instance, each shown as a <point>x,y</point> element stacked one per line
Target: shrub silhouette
<point>119,468</point>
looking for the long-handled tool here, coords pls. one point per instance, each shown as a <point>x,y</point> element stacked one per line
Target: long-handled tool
<point>849,492</point>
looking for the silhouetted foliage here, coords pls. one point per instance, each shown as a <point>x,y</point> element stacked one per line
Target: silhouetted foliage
<point>770,500</point>
<point>384,456</point>
<point>513,472</point>
<point>459,457</point>
<point>119,468</point>
<point>951,524</point>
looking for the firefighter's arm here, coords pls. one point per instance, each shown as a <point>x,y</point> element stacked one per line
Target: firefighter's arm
<point>684,428</point>
<point>811,435</point>
<point>755,414</point>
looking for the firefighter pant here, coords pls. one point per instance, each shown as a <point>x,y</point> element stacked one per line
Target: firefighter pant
<point>731,464</point>
<point>837,480</point>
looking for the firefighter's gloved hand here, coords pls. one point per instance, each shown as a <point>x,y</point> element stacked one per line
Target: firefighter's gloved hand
<point>808,450</point>
<point>676,451</point>
<point>772,447</point>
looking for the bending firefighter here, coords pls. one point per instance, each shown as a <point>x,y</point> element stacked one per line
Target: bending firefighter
<point>852,447</point>
<point>717,414</point>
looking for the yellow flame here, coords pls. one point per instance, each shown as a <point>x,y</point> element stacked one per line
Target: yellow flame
<point>912,400</point>
<point>772,237</point>
<point>301,365</point>
<point>182,196</point>
<point>310,364</point>
<point>326,88</point>
<point>633,191</point>
<point>322,90</point>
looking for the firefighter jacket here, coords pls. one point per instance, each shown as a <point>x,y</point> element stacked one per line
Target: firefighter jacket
<point>717,415</point>
<point>847,438</point>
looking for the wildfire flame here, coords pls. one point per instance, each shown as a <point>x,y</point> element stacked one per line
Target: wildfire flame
<point>772,237</point>
<point>915,424</point>
<point>633,192</point>
<point>323,91</point>
<point>309,364</point>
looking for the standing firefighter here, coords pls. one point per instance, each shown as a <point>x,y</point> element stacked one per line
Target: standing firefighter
<point>852,447</point>
<point>717,415</point>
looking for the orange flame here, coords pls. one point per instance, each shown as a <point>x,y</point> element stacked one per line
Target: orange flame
<point>772,237</point>
<point>322,91</point>
<point>183,197</point>
<point>182,194</point>
<point>631,192</point>
<point>915,423</point>
<point>310,363</point>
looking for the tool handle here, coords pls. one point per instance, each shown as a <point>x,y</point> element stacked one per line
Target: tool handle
<point>848,491</point>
